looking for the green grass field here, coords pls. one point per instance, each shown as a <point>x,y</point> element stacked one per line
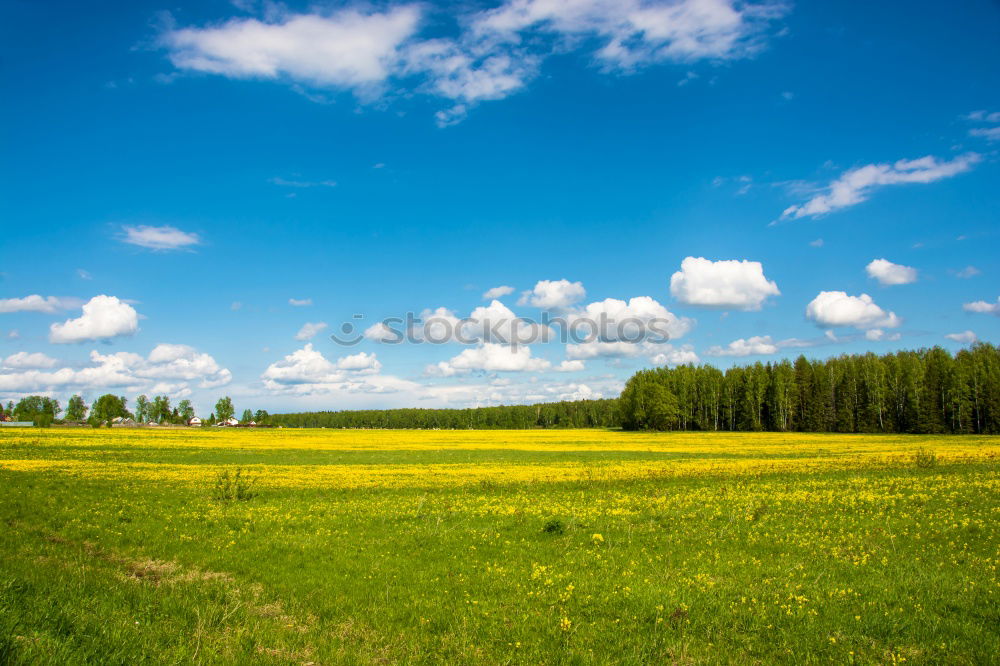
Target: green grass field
<point>497,547</point>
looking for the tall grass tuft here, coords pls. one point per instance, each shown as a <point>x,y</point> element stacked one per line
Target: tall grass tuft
<point>237,486</point>
<point>925,459</point>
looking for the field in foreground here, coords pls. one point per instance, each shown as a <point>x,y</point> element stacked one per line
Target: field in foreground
<point>497,547</point>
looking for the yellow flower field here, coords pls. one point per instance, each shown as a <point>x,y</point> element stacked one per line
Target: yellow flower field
<point>582,546</point>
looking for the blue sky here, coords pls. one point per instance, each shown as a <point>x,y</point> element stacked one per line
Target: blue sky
<point>176,174</point>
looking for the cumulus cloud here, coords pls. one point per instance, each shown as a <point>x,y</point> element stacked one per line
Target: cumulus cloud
<point>722,284</point>
<point>553,294</point>
<point>103,317</point>
<point>888,273</point>
<point>168,368</point>
<point>570,366</point>
<point>29,360</point>
<point>491,357</point>
<point>856,185</point>
<point>639,318</point>
<point>965,337</point>
<point>36,303</point>
<point>495,53</point>
<point>497,292</point>
<point>300,302</point>
<point>498,323</point>
<point>379,332</point>
<point>983,307</point>
<point>754,346</point>
<point>836,308</point>
<point>673,356</point>
<point>159,238</point>
<point>310,329</point>
<point>306,371</point>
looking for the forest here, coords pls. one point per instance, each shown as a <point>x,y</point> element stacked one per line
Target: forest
<point>923,391</point>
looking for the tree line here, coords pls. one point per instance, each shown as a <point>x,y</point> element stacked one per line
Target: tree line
<point>923,391</point>
<point>577,414</point>
<point>44,411</point>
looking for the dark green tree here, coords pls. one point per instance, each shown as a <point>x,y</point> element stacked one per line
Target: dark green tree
<point>39,409</point>
<point>224,409</point>
<point>185,411</point>
<point>107,408</point>
<point>142,409</point>
<point>76,410</point>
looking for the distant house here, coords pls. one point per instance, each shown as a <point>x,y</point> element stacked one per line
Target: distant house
<point>252,424</point>
<point>194,421</point>
<point>232,421</point>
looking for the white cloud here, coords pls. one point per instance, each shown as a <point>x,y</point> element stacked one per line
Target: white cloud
<point>983,307</point>
<point>888,273</point>
<point>816,243</point>
<point>640,318</point>
<point>346,49</point>
<point>631,33</point>
<point>553,294</point>
<point>656,353</point>
<point>965,337</point>
<point>984,117</point>
<point>182,362</point>
<point>380,333</point>
<point>722,284</point>
<point>159,238</point>
<point>490,357</point>
<point>306,371</point>
<point>103,317</point>
<point>498,323</point>
<point>497,292</point>
<point>570,366</point>
<point>300,303</point>
<point>682,355</point>
<point>754,346</point>
<point>361,363</point>
<point>856,185</point>
<point>836,308</point>
<point>29,360</point>
<point>168,368</point>
<point>310,329</point>
<point>36,303</point>
<point>968,272</point>
<point>495,53</point>
<point>84,274</point>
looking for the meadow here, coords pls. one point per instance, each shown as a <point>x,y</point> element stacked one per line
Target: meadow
<point>498,547</point>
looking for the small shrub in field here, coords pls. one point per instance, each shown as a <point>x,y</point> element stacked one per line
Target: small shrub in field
<point>235,486</point>
<point>554,526</point>
<point>925,458</point>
